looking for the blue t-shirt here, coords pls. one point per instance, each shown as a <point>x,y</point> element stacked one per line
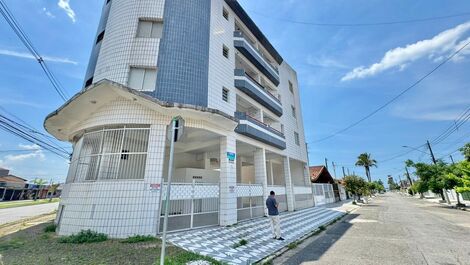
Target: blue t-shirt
<point>271,204</point>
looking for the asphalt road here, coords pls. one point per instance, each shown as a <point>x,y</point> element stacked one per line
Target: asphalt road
<point>391,230</point>
<point>18,213</point>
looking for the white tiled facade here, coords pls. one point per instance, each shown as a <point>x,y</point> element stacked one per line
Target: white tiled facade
<point>122,207</point>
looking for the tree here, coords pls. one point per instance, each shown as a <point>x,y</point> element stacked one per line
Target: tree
<point>365,160</point>
<point>52,189</point>
<point>355,185</point>
<point>432,175</point>
<point>392,185</point>
<point>40,183</point>
<point>375,186</point>
<point>420,187</point>
<point>466,151</point>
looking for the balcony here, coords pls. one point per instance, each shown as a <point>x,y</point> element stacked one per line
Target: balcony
<point>255,57</point>
<point>256,91</point>
<point>256,129</point>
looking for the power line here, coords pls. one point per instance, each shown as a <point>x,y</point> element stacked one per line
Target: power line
<point>13,23</point>
<point>464,117</point>
<point>396,97</point>
<point>320,24</point>
<point>13,128</point>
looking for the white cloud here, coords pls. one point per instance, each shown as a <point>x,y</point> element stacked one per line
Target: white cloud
<point>65,5</point>
<point>325,62</point>
<point>36,154</point>
<point>29,146</point>
<point>47,12</point>
<point>30,56</point>
<point>437,48</point>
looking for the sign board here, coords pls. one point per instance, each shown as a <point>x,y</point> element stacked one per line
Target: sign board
<point>231,157</point>
<point>155,186</point>
<point>179,128</point>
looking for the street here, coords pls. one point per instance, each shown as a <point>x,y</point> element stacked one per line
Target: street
<point>390,230</point>
<point>14,214</point>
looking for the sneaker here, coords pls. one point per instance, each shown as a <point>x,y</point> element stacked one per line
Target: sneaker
<point>280,238</point>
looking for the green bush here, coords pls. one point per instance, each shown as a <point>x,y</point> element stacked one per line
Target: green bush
<point>50,228</point>
<point>84,236</point>
<point>138,239</point>
<point>321,228</point>
<point>240,243</point>
<point>292,245</point>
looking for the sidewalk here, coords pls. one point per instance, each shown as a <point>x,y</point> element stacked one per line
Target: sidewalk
<point>219,242</point>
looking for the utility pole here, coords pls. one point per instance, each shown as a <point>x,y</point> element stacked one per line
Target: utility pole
<point>452,159</point>
<point>349,174</point>
<point>326,163</point>
<point>401,183</point>
<point>408,176</point>
<point>334,168</point>
<point>344,174</point>
<point>432,154</point>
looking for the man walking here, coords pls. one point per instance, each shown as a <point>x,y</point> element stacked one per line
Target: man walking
<point>273,213</point>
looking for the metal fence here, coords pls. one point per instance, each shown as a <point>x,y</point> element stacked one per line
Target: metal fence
<point>250,201</point>
<point>191,205</point>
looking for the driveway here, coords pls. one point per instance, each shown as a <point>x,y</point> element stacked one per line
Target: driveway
<point>14,214</point>
<point>391,230</point>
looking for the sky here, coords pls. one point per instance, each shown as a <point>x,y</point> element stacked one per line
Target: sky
<point>345,72</point>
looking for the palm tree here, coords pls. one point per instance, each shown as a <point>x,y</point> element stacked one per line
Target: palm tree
<point>40,183</point>
<point>364,160</point>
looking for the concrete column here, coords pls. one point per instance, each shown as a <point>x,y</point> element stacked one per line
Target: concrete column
<point>289,187</point>
<point>228,181</point>
<point>154,170</point>
<point>207,160</point>
<point>260,172</point>
<point>271,171</point>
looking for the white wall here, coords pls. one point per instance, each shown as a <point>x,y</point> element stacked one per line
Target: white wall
<point>221,69</point>
<point>120,48</point>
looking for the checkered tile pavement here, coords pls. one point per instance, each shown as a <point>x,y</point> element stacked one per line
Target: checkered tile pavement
<point>218,242</point>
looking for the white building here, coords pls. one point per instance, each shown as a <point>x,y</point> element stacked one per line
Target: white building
<point>203,60</point>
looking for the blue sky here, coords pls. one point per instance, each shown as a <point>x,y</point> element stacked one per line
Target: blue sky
<point>344,74</point>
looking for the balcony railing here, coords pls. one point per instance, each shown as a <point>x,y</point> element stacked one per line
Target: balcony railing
<point>256,57</point>
<point>245,116</point>
<point>256,91</point>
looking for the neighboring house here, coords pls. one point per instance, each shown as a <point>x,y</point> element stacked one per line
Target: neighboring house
<point>11,187</point>
<point>320,174</point>
<point>208,62</point>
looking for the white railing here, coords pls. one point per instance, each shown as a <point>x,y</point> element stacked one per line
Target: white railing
<point>302,190</point>
<point>250,201</point>
<point>191,205</point>
<point>278,189</point>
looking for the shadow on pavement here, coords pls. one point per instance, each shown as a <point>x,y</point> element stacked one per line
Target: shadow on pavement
<point>318,247</point>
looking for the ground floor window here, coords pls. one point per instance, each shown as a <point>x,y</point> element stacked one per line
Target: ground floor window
<point>110,154</point>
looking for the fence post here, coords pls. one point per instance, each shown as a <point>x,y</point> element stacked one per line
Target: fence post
<point>192,202</point>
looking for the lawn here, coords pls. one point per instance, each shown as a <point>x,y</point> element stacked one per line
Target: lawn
<point>34,246</point>
<point>4,205</point>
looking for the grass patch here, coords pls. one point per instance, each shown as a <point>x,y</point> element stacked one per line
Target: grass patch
<point>292,245</point>
<point>84,236</point>
<point>354,203</point>
<point>240,243</point>
<point>50,228</point>
<point>322,228</point>
<point>11,244</point>
<point>138,239</point>
<point>185,257</point>
<point>13,204</point>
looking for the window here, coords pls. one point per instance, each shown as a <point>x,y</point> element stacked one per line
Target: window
<point>291,87</point>
<point>100,37</point>
<point>296,138</point>
<point>89,82</point>
<point>111,154</point>
<point>225,94</point>
<point>294,114</point>
<point>142,79</point>
<point>149,29</point>
<point>225,13</point>
<point>225,51</point>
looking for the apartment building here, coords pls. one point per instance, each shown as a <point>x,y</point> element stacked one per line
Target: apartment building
<point>208,62</point>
